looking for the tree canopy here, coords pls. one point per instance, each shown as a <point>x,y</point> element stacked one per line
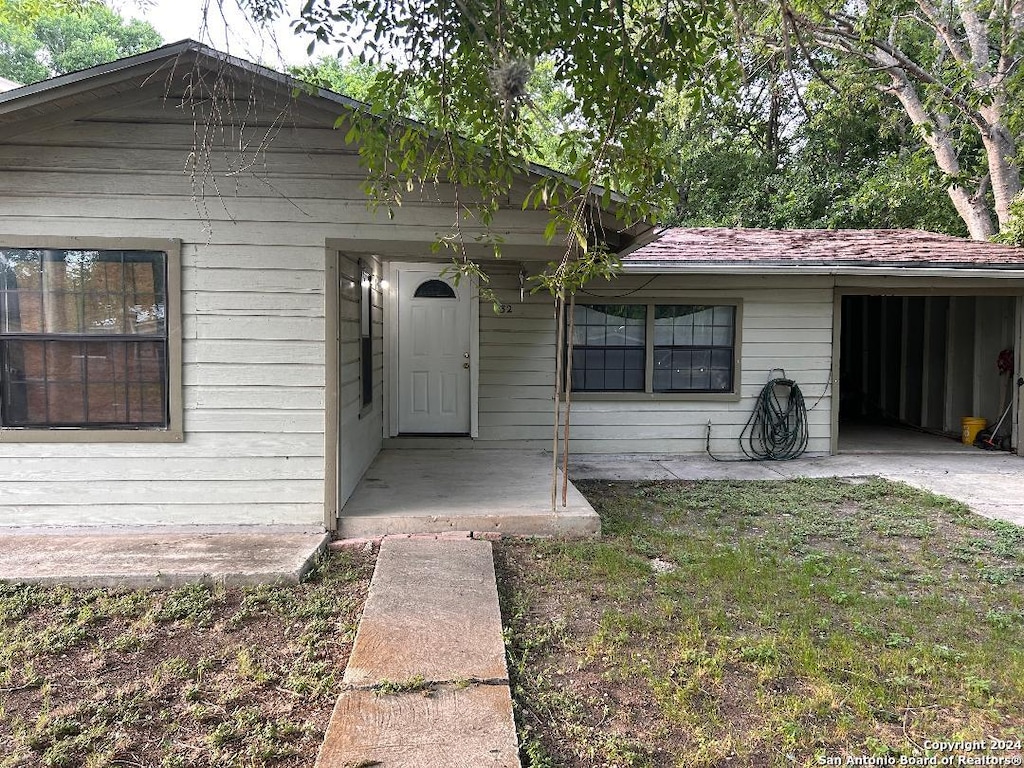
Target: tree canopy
<point>818,113</point>
<point>953,66</point>
<point>468,69</point>
<point>44,38</point>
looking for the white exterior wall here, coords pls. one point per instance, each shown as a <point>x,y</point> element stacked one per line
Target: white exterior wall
<point>786,323</point>
<point>361,427</point>
<point>253,313</point>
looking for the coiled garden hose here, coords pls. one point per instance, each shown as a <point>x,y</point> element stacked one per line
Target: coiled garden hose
<point>777,427</point>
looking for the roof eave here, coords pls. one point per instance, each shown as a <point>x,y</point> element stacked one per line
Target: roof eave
<point>1011,271</point>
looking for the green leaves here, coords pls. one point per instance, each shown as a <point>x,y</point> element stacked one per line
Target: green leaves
<point>41,39</point>
<point>574,84</point>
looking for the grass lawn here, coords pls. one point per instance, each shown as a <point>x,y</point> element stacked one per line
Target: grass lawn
<point>765,624</point>
<point>196,677</point>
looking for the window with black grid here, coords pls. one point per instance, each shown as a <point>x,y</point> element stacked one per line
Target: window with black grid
<point>609,343</point>
<point>694,348</point>
<point>83,338</point>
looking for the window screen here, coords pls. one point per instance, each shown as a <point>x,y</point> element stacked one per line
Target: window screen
<point>83,338</point>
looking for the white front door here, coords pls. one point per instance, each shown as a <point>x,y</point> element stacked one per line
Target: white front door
<point>433,352</point>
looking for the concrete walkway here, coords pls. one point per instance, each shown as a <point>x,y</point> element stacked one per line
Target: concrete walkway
<point>426,685</point>
<point>991,484</point>
<point>168,557</point>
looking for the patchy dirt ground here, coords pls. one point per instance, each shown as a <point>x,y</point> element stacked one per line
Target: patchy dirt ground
<point>194,677</point>
<point>766,624</point>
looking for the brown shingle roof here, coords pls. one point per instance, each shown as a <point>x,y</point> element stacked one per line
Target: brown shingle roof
<point>824,247</point>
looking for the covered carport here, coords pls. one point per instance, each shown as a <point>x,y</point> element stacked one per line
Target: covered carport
<point>923,360</point>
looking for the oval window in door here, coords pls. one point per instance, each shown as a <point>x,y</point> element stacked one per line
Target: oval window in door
<point>434,289</point>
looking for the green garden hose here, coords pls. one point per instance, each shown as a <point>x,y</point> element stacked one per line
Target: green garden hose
<point>777,427</point>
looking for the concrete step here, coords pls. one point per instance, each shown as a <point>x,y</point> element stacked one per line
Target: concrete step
<point>159,557</point>
<point>579,523</point>
<point>426,684</point>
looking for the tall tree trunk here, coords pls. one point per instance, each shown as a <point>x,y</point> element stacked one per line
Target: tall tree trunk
<point>973,208</point>
<point>1001,151</point>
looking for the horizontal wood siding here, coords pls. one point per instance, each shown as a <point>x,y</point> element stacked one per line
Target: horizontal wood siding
<point>252,314</point>
<point>787,323</point>
<point>361,427</point>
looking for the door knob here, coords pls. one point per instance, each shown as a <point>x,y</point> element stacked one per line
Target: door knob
<point>465,365</point>
<point>466,355</point>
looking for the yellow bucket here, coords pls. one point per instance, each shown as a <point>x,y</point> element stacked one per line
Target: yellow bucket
<point>971,427</point>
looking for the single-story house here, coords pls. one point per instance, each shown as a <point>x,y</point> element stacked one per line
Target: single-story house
<point>877,327</point>
<point>202,321</point>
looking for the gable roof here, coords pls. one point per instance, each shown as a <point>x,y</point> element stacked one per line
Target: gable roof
<point>722,249</point>
<point>125,74</point>
<point>67,96</point>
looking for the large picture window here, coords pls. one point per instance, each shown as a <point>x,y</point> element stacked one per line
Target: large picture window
<point>654,348</point>
<point>83,339</point>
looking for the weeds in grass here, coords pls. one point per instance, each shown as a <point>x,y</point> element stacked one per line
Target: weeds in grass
<point>414,684</point>
<point>198,676</point>
<point>802,619</point>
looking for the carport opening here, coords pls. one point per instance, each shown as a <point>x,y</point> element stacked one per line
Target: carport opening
<point>912,367</point>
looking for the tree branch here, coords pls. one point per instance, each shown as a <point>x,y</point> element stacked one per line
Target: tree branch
<point>944,30</point>
<point>977,37</point>
<point>888,56</point>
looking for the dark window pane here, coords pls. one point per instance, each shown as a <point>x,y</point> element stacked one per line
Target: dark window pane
<point>61,297</point>
<point>108,403</point>
<point>634,358</point>
<point>66,404</point>
<point>694,348</point>
<point>434,289</point>
<point>615,378</point>
<point>65,361</point>
<point>146,404</point>
<point>662,379</point>
<point>145,361</point>
<point>104,361</point>
<point>634,381</point>
<point>609,347</point>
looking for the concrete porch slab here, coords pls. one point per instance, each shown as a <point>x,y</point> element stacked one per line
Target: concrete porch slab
<point>162,558</point>
<point>431,491</point>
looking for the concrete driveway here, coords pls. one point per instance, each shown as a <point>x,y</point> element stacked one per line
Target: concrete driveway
<point>992,484</point>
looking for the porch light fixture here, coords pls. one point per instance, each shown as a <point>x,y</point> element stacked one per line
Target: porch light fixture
<point>369,280</point>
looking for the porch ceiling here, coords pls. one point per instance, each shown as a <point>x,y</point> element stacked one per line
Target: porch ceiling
<point>431,491</point>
